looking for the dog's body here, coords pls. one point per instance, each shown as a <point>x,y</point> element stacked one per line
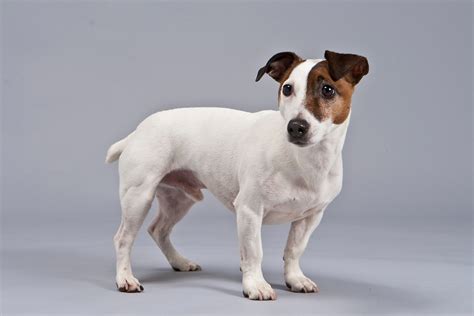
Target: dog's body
<point>249,161</point>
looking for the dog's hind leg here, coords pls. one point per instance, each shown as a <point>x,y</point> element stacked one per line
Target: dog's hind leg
<point>135,200</point>
<point>174,204</point>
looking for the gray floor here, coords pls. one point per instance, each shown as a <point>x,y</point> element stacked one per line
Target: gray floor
<point>362,265</point>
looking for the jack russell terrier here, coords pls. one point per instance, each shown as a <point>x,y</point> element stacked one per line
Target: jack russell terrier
<point>268,167</point>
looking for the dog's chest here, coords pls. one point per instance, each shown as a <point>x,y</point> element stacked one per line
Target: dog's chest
<point>288,198</point>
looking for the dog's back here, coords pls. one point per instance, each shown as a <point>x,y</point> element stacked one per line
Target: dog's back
<point>215,127</point>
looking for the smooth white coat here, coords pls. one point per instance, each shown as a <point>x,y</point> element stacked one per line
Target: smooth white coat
<point>247,162</point>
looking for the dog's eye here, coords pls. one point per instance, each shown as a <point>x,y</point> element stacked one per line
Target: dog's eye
<point>327,91</point>
<point>286,90</point>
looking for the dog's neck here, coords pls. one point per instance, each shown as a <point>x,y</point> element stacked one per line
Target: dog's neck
<point>316,161</point>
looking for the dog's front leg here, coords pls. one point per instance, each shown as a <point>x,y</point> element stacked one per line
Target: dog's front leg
<point>249,224</point>
<point>298,238</point>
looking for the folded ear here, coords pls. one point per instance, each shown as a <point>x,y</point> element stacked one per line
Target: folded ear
<point>353,67</point>
<point>278,65</point>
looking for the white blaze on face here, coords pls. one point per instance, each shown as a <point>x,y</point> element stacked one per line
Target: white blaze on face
<point>294,106</point>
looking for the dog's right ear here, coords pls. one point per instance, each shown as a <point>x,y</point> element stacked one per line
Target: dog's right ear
<point>278,65</point>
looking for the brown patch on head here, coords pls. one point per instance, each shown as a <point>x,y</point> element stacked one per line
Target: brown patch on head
<point>340,74</point>
<point>336,108</point>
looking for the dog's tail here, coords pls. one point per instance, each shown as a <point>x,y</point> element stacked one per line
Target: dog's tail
<point>116,149</point>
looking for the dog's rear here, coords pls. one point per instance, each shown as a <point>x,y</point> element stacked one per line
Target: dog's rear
<point>117,148</point>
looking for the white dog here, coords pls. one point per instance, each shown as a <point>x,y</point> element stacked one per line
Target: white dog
<point>268,167</point>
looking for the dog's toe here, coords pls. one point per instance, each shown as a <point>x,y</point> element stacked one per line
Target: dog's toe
<point>185,266</point>
<point>302,284</point>
<point>260,291</point>
<point>129,285</point>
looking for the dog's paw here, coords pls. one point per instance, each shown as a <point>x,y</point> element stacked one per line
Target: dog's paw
<point>259,290</point>
<point>301,284</point>
<point>185,265</point>
<point>128,284</point>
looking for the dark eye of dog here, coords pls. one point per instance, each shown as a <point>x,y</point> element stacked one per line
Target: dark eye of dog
<point>328,91</point>
<point>287,89</point>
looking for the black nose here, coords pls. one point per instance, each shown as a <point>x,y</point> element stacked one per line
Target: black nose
<point>297,128</point>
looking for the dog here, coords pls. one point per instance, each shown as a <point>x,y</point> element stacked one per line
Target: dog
<point>268,167</point>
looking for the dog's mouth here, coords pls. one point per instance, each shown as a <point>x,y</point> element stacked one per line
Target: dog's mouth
<point>298,142</point>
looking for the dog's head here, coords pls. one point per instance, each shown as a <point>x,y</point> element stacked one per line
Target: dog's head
<point>314,95</point>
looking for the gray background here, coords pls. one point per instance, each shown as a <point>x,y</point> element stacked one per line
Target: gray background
<point>77,76</point>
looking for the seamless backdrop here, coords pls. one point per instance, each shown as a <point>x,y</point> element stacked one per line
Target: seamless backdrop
<point>79,75</point>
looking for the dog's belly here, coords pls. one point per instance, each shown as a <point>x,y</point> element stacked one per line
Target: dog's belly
<point>278,209</point>
<point>190,183</point>
<point>186,181</point>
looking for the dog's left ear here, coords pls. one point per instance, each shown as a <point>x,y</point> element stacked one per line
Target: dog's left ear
<point>278,65</point>
<point>353,67</point>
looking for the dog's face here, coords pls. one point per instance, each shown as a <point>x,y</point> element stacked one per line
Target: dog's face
<point>314,95</point>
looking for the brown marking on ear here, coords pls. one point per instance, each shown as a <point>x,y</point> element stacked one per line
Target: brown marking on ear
<point>351,67</point>
<point>279,65</point>
<point>339,106</point>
